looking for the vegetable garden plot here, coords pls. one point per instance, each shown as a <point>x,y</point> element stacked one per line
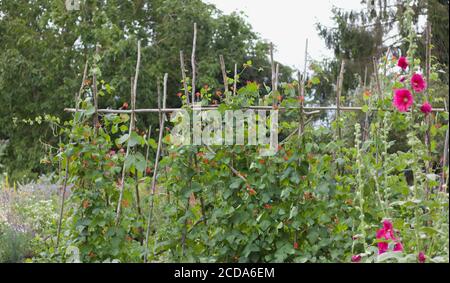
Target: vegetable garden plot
<point>326,195</point>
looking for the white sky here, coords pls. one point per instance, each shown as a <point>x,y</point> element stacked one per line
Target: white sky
<point>287,23</point>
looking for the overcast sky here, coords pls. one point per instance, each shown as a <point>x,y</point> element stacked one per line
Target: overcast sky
<point>287,23</point>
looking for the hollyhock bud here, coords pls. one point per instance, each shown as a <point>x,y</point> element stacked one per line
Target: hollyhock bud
<point>421,257</point>
<point>426,108</point>
<point>356,258</point>
<point>398,247</point>
<point>402,79</point>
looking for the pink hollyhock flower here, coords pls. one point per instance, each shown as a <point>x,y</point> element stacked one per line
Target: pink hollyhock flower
<point>398,247</point>
<point>403,99</point>
<point>422,257</point>
<point>387,225</point>
<point>382,247</point>
<point>381,233</point>
<point>426,108</point>
<point>418,83</point>
<point>387,233</point>
<point>402,63</point>
<point>356,258</point>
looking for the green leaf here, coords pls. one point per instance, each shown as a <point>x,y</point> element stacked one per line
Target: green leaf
<point>152,143</point>
<point>90,110</point>
<point>315,80</point>
<point>122,139</point>
<point>294,212</point>
<point>135,139</point>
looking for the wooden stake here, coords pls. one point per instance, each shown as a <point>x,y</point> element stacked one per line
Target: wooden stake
<point>183,74</point>
<point>155,174</point>
<point>274,87</point>
<point>148,148</point>
<point>300,91</point>
<point>377,79</point>
<point>338,98</point>
<point>224,73</point>
<point>235,80</point>
<point>212,107</point>
<point>78,95</point>
<point>66,172</point>
<point>130,131</point>
<point>194,44</point>
<point>94,89</point>
<point>301,87</point>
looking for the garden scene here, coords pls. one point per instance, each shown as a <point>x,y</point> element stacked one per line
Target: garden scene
<point>93,170</point>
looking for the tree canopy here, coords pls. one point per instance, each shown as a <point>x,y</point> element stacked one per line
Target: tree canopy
<point>45,47</point>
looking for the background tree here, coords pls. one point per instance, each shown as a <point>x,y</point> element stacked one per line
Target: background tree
<point>44,48</point>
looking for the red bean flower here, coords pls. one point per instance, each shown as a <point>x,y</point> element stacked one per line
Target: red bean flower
<point>402,63</point>
<point>418,83</point>
<point>426,108</point>
<point>403,99</point>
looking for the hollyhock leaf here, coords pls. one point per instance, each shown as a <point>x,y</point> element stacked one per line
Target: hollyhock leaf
<point>389,256</point>
<point>439,259</point>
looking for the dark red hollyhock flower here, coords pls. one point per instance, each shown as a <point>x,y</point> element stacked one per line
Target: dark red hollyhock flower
<point>356,258</point>
<point>403,63</point>
<point>426,108</point>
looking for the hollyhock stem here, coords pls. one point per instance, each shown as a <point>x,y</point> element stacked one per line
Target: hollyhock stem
<point>360,182</point>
